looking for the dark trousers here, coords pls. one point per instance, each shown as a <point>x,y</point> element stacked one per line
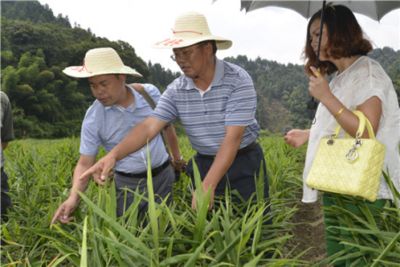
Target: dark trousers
<point>240,175</point>
<point>162,185</point>
<point>5,199</point>
<point>331,241</point>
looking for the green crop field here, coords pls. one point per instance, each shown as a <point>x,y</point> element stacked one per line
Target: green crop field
<point>40,174</point>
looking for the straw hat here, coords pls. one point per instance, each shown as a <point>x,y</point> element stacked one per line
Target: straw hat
<point>100,61</point>
<point>191,28</point>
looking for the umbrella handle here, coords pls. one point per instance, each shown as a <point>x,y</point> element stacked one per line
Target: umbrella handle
<point>320,32</point>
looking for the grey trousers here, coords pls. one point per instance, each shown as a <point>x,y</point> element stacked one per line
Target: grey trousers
<point>162,185</point>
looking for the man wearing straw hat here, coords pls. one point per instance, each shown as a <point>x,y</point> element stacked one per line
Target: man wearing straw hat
<point>216,103</point>
<point>116,111</point>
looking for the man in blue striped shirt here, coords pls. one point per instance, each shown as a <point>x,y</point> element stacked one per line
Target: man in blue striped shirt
<point>118,109</point>
<point>216,102</point>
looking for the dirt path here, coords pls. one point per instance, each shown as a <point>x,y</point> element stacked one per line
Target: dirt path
<point>310,233</point>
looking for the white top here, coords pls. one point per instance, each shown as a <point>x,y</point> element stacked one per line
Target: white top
<point>203,92</point>
<point>364,79</point>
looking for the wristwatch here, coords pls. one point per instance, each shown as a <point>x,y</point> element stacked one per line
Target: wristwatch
<point>178,162</point>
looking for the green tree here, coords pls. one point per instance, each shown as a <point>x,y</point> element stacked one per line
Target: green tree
<point>9,79</point>
<point>25,60</point>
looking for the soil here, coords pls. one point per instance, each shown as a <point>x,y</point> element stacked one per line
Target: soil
<point>309,232</point>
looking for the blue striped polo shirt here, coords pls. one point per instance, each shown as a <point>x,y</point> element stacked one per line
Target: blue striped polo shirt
<point>107,126</point>
<point>231,101</point>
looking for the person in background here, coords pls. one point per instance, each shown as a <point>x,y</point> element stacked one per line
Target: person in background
<point>118,109</point>
<point>7,135</point>
<point>359,83</point>
<point>216,102</point>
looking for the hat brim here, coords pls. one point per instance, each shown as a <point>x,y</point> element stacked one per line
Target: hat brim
<point>180,42</point>
<point>81,72</point>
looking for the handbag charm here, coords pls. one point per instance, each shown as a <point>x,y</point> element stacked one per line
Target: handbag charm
<point>349,166</point>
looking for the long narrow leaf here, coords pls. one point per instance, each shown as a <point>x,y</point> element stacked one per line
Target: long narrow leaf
<point>254,262</point>
<point>193,259</point>
<point>129,237</point>
<point>202,209</point>
<point>84,245</point>
<point>66,234</point>
<point>387,250</point>
<point>199,185</point>
<point>60,260</point>
<point>122,248</point>
<point>152,207</point>
<point>115,253</point>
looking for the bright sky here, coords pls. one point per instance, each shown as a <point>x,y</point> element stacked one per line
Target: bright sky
<point>271,33</point>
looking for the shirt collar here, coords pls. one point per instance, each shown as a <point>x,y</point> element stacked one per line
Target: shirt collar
<point>138,104</point>
<point>217,79</point>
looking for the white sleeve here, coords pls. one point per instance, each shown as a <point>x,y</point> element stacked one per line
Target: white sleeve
<point>371,80</point>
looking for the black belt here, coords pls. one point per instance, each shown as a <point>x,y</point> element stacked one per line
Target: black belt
<point>154,172</point>
<point>240,152</point>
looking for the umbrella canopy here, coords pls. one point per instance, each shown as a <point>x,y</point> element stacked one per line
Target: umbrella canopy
<point>372,9</point>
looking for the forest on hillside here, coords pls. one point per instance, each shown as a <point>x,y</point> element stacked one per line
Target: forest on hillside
<point>36,46</point>
<point>282,90</point>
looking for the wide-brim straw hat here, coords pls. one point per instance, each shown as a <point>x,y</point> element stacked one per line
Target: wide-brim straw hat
<point>100,61</point>
<point>191,28</point>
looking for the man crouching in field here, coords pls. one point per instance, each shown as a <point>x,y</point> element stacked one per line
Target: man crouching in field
<point>216,102</point>
<point>116,111</point>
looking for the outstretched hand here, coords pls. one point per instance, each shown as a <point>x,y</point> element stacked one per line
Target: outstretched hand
<point>296,138</point>
<point>64,211</point>
<point>102,168</point>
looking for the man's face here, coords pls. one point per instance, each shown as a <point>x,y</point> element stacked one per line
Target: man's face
<point>108,89</point>
<point>190,59</point>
